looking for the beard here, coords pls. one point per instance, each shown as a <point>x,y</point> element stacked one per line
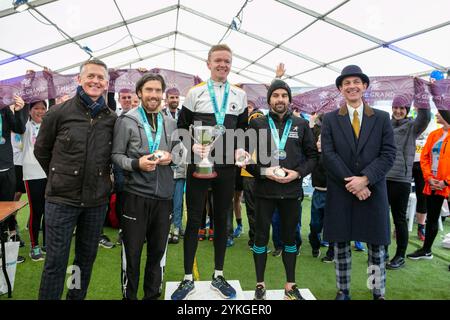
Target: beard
<point>173,106</point>
<point>151,105</point>
<point>280,108</point>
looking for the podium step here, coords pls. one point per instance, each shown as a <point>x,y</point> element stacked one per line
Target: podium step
<point>279,294</point>
<point>203,291</point>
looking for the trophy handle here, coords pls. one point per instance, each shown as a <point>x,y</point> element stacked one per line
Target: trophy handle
<point>191,129</point>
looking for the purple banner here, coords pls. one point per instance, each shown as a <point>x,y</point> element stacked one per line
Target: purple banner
<point>411,89</point>
<point>321,100</point>
<point>42,85</point>
<point>46,85</point>
<point>257,93</point>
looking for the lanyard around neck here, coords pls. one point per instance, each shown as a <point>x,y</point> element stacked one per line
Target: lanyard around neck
<point>219,114</point>
<point>280,144</point>
<point>153,145</point>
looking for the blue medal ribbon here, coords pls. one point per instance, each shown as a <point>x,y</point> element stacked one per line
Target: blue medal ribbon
<point>280,144</point>
<point>219,114</point>
<point>153,145</point>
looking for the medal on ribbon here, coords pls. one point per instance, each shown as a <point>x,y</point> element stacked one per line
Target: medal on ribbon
<point>279,153</point>
<point>219,114</point>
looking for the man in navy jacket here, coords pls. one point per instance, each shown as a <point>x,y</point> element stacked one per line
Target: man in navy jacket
<point>358,151</point>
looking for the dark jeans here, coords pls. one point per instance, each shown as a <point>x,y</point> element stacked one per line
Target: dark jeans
<point>398,195</point>
<point>60,221</point>
<point>317,212</point>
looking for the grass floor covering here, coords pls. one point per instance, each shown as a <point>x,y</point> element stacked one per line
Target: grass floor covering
<point>423,279</point>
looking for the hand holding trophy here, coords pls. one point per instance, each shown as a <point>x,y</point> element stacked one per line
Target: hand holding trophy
<point>242,158</point>
<point>204,137</point>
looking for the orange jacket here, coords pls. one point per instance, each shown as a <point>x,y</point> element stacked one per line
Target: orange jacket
<point>426,158</point>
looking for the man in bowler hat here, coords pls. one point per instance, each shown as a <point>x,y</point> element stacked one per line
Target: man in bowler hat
<point>357,206</point>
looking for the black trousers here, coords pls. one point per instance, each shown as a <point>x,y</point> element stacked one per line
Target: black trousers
<point>36,200</point>
<point>434,206</point>
<point>398,195</point>
<point>7,191</point>
<point>288,210</point>
<point>60,222</point>
<point>419,183</point>
<point>249,197</point>
<point>196,189</point>
<point>143,218</point>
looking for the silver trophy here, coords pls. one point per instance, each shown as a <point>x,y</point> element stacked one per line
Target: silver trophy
<point>206,136</point>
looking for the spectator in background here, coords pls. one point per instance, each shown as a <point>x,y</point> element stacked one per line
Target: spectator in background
<point>11,120</point>
<point>179,169</point>
<point>435,163</point>
<point>35,180</point>
<point>436,75</point>
<point>135,100</point>
<point>172,103</point>
<point>406,131</point>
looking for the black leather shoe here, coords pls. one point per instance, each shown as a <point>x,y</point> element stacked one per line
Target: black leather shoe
<point>396,263</point>
<point>342,296</point>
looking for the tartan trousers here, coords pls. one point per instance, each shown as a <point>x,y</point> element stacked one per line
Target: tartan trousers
<point>376,267</point>
<point>60,222</point>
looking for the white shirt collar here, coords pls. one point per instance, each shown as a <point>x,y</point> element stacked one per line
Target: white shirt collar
<point>218,83</point>
<point>360,110</point>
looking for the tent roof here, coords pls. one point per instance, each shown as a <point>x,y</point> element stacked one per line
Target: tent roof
<point>315,39</point>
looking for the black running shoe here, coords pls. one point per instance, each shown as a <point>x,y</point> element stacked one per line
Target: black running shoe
<point>260,292</point>
<point>293,294</point>
<point>223,287</point>
<point>185,289</point>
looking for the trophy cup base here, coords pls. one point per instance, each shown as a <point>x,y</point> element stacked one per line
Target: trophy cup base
<point>200,175</point>
<point>204,172</point>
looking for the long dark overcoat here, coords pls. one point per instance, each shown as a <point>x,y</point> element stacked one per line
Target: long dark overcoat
<point>372,155</point>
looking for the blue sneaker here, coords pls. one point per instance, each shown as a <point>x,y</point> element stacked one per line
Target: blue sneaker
<point>185,289</point>
<point>238,231</point>
<point>223,287</point>
<point>359,246</point>
<point>230,242</point>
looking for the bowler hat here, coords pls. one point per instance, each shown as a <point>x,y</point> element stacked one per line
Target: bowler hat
<point>349,71</point>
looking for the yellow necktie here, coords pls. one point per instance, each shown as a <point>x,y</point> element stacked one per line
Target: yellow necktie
<point>355,123</point>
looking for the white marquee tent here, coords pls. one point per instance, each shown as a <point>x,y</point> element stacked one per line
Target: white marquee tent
<point>314,38</point>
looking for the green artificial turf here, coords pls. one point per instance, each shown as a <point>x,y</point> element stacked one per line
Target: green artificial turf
<point>423,279</point>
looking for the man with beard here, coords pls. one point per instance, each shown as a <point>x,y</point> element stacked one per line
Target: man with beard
<point>292,152</point>
<point>213,103</point>
<point>142,146</point>
<point>173,100</point>
<point>171,110</point>
<point>358,151</point>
